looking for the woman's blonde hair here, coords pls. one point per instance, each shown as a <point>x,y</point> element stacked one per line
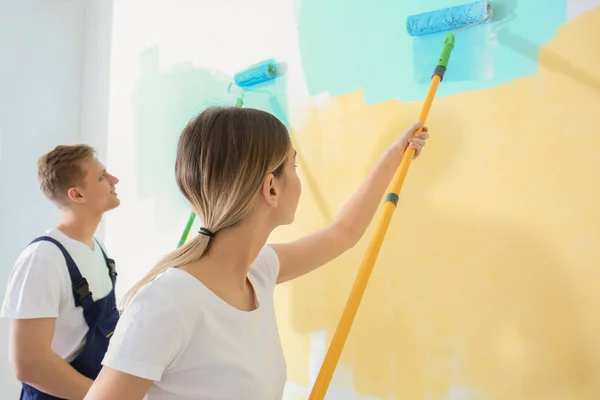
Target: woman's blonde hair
<point>223,156</point>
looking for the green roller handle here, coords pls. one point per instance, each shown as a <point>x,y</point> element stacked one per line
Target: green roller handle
<point>447,48</point>
<point>187,229</point>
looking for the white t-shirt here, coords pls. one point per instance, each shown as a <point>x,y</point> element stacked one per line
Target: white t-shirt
<point>39,287</point>
<point>194,345</point>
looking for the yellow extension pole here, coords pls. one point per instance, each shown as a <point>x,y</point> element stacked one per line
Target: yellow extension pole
<point>343,329</point>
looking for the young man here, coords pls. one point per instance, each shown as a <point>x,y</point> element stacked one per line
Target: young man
<point>60,297</point>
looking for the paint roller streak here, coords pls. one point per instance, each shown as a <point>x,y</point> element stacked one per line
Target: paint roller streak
<point>273,100</point>
<point>346,46</point>
<point>342,44</point>
<point>163,102</point>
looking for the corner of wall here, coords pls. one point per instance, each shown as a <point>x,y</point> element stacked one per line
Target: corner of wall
<point>95,78</point>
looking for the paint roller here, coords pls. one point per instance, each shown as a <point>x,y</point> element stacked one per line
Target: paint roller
<point>254,78</point>
<point>256,75</point>
<point>451,19</point>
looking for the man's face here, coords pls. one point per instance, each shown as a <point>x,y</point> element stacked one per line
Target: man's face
<point>96,193</point>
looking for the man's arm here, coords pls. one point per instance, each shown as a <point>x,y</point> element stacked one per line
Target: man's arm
<point>310,252</point>
<point>36,364</point>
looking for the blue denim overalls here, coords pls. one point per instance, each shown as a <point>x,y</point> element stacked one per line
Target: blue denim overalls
<point>101,317</point>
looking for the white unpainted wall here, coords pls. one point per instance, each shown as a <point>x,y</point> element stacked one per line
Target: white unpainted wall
<point>53,90</point>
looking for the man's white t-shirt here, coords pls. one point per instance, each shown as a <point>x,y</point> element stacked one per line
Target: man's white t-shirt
<point>39,287</point>
<point>194,345</point>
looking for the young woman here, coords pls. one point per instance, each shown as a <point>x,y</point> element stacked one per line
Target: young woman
<point>201,324</point>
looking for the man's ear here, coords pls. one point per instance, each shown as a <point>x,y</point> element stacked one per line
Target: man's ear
<point>270,190</point>
<point>75,195</point>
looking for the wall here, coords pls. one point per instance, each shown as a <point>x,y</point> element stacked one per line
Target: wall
<point>485,286</point>
<point>50,54</point>
<point>162,73</point>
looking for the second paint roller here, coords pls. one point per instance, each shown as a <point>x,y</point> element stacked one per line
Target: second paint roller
<point>450,19</point>
<point>251,77</point>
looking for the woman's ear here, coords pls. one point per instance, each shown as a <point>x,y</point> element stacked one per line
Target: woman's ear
<point>270,190</point>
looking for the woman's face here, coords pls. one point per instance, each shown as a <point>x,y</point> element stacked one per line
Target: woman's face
<point>291,189</point>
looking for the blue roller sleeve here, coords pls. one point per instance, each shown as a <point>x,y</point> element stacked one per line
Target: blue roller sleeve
<point>256,74</point>
<point>448,19</point>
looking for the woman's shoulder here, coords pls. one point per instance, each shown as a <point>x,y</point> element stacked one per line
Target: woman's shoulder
<point>172,295</point>
<point>155,326</point>
<point>266,265</point>
<point>169,282</point>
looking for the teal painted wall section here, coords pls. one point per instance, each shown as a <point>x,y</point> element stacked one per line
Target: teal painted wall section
<point>163,103</point>
<point>346,46</point>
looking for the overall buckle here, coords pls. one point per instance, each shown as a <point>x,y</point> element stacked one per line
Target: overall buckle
<point>82,289</point>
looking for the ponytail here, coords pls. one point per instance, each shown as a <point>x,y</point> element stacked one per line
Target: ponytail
<point>190,251</point>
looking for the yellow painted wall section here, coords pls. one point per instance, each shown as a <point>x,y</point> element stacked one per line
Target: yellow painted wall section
<point>489,274</point>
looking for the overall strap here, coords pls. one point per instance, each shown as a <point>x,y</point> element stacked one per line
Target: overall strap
<point>80,286</point>
<point>110,264</point>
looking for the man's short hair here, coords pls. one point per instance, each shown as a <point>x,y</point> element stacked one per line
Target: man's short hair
<point>60,169</point>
